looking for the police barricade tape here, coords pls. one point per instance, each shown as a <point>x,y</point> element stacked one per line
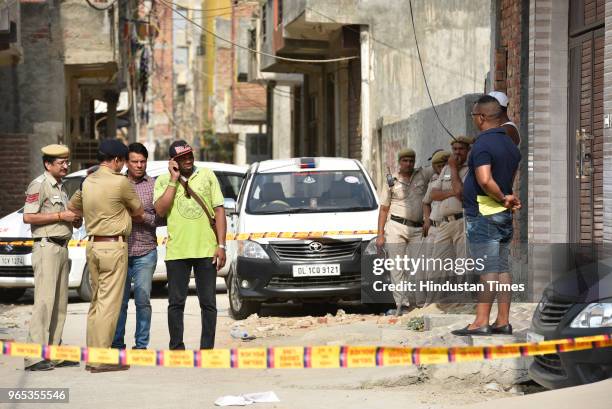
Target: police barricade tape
<point>303,357</point>
<point>304,235</point>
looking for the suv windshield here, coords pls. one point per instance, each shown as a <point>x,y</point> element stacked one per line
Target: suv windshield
<point>310,192</point>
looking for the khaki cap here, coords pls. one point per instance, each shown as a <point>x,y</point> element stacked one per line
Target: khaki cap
<point>407,152</point>
<point>468,140</point>
<point>440,157</point>
<point>56,151</point>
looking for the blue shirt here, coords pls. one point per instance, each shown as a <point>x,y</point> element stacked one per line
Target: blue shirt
<point>492,147</point>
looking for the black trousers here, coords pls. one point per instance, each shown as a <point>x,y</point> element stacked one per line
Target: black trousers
<point>205,273</point>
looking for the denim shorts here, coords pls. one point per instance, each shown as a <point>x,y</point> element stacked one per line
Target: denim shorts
<point>488,240</point>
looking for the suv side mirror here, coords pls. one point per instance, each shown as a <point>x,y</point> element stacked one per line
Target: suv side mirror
<point>229,205</point>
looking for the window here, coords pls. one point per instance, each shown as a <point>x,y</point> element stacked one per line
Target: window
<point>264,23</point>
<point>230,184</point>
<point>310,192</point>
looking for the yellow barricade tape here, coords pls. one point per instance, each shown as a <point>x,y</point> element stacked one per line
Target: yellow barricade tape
<point>304,235</point>
<point>302,357</point>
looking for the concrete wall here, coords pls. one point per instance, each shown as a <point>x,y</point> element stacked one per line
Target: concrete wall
<point>454,40</point>
<point>422,132</point>
<point>88,34</point>
<point>32,92</point>
<point>282,140</point>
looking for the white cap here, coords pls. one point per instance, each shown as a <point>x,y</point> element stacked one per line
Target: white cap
<point>500,97</point>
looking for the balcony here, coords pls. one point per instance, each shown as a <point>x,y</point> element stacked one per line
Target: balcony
<point>309,29</point>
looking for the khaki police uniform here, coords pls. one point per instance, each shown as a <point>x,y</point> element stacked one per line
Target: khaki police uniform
<point>450,239</point>
<point>105,199</point>
<point>403,229</point>
<point>49,261</point>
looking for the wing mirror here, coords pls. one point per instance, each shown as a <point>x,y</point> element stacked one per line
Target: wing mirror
<point>230,206</point>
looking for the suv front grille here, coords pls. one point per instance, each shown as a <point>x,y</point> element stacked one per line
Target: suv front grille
<point>552,362</point>
<point>310,282</point>
<point>551,313</point>
<point>16,271</point>
<point>303,250</point>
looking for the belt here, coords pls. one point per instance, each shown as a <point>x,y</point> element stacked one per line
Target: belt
<point>447,219</point>
<point>55,240</point>
<point>406,222</point>
<point>106,238</point>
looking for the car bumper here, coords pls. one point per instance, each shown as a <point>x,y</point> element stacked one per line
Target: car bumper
<point>273,280</point>
<point>16,276</point>
<point>555,371</point>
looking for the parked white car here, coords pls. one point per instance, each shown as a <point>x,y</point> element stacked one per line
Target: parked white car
<point>16,274</point>
<point>333,195</point>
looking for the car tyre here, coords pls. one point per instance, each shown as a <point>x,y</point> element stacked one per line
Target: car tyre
<point>240,308</point>
<point>84,289</point>
<point>11,294</point>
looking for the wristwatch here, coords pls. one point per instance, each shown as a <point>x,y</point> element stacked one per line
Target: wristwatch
<point>222,246</point>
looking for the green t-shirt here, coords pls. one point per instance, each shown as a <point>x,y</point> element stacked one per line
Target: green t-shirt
<point>189,232</point>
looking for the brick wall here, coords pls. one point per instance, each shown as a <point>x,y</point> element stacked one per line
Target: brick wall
<point>248,99</point>
<point>607,132</point>
<point>509,56</point>
<point>15,171</point>
<point>161,90</point>
<point>508,60</point>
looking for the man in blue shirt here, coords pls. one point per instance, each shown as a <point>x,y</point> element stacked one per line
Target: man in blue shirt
<point>488,203</point>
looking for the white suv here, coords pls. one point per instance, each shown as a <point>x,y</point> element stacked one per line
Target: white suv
<point>332,197</point>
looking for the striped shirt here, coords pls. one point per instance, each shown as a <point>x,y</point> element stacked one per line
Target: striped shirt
<point>143,239</point>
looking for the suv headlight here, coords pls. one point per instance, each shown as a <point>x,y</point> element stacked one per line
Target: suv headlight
<point>595,315</point>
<point>251,249</point>
<point>371,249</point>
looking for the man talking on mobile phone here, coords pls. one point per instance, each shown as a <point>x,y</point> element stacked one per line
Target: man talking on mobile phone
<point>191,200</point>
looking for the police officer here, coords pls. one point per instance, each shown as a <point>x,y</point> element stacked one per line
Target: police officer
<point>431,216</point>
<point>109,203</point>
<point>400,221</point>
<point>447,192</point>
<point>430,208</point>
<point>46,210</point>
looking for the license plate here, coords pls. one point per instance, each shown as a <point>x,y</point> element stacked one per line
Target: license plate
<point>533,337</point>
<point>12,261</point>
<point>316,270</point>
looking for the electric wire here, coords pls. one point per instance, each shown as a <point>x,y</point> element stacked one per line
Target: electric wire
<point>433,106</point>
<point>297,60</point>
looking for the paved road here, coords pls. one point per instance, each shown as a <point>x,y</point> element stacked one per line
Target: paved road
<point>279,325</point>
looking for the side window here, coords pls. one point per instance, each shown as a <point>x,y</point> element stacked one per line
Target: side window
<point>230,184</point>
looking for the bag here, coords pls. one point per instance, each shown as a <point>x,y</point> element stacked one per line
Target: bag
<point>198,199</point>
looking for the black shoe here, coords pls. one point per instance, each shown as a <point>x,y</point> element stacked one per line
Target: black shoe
<point>66,364</point>
<point>40,366</point>
<point>464,332</point>
<point>135,347</point>
<point>108,368</point>
<point>503,330</point>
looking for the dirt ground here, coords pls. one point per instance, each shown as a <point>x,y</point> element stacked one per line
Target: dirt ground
<point>418,387</point>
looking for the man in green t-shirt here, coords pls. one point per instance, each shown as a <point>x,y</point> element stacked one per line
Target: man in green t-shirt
<point>191,240</point>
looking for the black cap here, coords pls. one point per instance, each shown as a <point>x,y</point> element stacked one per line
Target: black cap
<point>179,148</point>
<point>114,148</point>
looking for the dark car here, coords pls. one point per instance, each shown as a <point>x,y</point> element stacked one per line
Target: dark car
<point>575,305</point>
